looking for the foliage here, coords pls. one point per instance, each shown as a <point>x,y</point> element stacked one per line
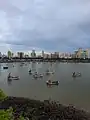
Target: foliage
<point>2,95</point>
<point>7,114</point>
<point>21,118</point>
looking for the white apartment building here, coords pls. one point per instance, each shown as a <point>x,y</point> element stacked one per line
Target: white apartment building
<point>88,53</point>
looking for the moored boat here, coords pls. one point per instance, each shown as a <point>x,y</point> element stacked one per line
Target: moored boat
<point>5,67</point>
<point>37,75</point>
<point>13,78</point>
<point>52,82</point>
<point>76,75</point>
<point>40,75</point>
<point>30,71</point>
<point>47,73</point>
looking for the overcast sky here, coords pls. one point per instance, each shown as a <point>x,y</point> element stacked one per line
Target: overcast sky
<point>51,25</point>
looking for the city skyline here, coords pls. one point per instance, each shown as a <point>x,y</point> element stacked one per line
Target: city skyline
<point>80,53</point>
<point>53,25</point>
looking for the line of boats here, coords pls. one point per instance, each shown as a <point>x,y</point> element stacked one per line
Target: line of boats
<point>49,82</point>
<point>36,75</point>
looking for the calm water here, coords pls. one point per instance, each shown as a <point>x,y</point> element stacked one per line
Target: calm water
<point>69,91</point>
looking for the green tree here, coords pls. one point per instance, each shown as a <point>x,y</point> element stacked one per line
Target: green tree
<point>2,95</point>
<point>7,114</point>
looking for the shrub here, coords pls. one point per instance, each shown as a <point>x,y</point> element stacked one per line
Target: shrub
<point>2,95</point>
<point>7,114</point>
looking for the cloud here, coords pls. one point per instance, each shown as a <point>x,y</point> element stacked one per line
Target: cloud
<point>52,25</point>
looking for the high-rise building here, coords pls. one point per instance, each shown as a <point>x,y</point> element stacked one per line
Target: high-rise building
<point>78,53</point>
<point>33,54</point>
<point>46,56</point>
<point>88,53</point>
<point>75,54</point>
<point>56,55</point>
<point>43,54</point>
<point>26,56</point>
<point>52,55</point>
<point>9,54</point>
<point>84,54</point>
<point>0,54</point>
<point>20,55</point>
<point>12,54</point>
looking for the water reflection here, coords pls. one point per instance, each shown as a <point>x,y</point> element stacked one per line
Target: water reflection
<point>9,82</point>
<point>33,66</point>
<point>0,69</point>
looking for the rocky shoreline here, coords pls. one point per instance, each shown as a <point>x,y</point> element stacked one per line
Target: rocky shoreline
<point>46,110</point>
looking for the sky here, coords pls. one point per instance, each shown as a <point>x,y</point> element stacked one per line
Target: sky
<point>50,25</point>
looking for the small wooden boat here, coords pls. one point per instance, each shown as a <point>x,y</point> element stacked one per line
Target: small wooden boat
<point>52,83</point>
<point>5,67</point>
<point>30,73</point>
<point>40,75</point>
<point>77,75</point>
<point>35,76</point>
<point>13,78</point>
<point>47,73</point>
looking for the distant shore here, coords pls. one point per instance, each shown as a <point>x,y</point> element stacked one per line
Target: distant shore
<point>37,110</point>
<point>68,60</point>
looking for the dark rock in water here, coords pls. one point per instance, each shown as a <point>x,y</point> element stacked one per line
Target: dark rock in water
<point>37,110</point>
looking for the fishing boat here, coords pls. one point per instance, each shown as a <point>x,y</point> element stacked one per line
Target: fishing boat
<point>40,75</point>
<point>48,72</point>
<point>13,78</point>
<point>76,75</point>
<point>37,75</point>
<point>49,82</point>
<point>5,67</point>
<point>30,71</point>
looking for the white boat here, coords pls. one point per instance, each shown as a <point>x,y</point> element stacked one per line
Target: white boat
<point>40,75</point>
<point>37,75</point>
<point>47,73</point>
<point>77,75</point>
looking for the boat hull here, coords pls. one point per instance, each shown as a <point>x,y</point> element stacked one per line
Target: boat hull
<point>13,78</point>
<point>52,83</point>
